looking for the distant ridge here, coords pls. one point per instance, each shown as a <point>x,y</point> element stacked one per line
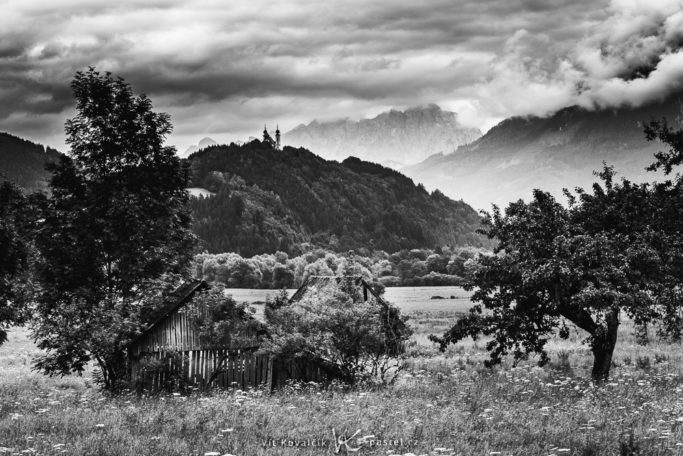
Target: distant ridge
<point>203,143</point>
<point>395,137</point>
<point>268,200</point>
<point>23,162</point>
<point>550,153</point>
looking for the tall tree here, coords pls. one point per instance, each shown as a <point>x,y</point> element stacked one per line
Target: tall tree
<point>14,257</point>
<point>616,251</point>
<point>117,220</point>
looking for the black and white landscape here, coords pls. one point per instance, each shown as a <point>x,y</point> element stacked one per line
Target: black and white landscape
<point>354,227</point>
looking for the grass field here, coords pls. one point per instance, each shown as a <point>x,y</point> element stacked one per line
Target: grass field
<point>445,404</point>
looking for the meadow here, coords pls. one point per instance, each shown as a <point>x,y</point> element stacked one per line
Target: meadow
<point>442,404</point>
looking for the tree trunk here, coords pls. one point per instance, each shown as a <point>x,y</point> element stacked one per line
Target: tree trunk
<point>604,341</point>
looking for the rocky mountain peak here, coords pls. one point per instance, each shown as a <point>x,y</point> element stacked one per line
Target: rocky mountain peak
<point>394,136</point>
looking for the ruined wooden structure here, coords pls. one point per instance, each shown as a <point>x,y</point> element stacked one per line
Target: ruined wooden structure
<point>170,349</point>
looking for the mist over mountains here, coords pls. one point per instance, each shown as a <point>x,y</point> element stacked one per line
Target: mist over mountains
<point>392,138</point>
<point>550,153</point>
<point>203,143</point>
<point>514,157</point>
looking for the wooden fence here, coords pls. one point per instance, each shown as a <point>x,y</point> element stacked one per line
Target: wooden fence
<point>239,368</point>
<point>171,353</point>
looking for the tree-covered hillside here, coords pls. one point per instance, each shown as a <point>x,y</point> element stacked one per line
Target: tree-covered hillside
<point>267,200</point>
<point>23,162</point>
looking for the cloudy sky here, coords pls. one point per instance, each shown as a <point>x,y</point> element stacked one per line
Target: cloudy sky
<point>222,69</point>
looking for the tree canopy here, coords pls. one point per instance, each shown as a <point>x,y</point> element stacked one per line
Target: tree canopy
<point>333,327</point>
<point>611,252</point>
<point>116,220</point>
<point>15,253</point>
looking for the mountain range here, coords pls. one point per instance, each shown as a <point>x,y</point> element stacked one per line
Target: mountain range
<point>550,153</point>
<point>261,200</point>
<point>267,199</point>
<point>393,138</point>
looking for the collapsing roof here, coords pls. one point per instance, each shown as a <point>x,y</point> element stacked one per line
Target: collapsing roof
<point>317,282</point>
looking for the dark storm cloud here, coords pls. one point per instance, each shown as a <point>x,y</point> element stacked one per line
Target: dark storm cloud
<point>219,67</point>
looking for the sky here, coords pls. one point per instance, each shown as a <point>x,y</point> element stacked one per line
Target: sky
<point>223,69</point>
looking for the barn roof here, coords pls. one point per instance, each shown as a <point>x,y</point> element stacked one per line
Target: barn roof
<point>314,282</point>
<point>177,298</point>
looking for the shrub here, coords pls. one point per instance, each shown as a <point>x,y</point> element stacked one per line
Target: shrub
<point>336,329</point>
<point>563,362</point>
<point>643,362</point>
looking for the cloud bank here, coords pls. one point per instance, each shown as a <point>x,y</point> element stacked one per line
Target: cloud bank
<point>222,69</point>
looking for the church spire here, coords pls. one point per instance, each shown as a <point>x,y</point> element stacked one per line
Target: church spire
<point>277,137</point>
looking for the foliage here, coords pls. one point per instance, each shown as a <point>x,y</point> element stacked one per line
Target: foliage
<point>15,255</point>
<point>333,327</point>
<point>116,222</point>
<point>267,200</point>
<point>617,249</point>
<point>223,323</point>
<point>278,270</point>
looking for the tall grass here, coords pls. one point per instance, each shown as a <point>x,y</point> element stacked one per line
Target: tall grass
<point>444,404</point>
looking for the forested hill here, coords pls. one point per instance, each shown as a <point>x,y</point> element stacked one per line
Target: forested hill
<point>23,162</point>
<point>267,200</point>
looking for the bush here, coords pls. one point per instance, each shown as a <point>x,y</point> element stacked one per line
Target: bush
<point>643,362</point>
<point>337,330</point>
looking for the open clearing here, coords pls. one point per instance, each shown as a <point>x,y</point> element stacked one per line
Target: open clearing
<point>443,404</point>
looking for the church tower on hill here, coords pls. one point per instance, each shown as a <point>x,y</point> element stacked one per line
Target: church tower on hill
<point>267,139</point>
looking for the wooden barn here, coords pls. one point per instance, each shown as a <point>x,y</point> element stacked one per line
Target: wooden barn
<point>170,350</point>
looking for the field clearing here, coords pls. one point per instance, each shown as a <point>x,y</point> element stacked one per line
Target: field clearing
<point>408,299</point>
<point>443,404</point>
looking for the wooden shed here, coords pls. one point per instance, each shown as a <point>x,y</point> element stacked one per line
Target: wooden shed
<point>170,350</point>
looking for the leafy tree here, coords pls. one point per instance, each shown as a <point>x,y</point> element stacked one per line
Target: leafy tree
<point>222,322</point>
<point>117,220</point>
<point>333,327</point>
<point>283,277</point>
<point>15,252</point>
<point>615,251</point>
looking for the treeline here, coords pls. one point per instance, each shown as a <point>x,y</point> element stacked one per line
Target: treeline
<point>269,200</point>
<point>23,162</point>
<point>416,267</point>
